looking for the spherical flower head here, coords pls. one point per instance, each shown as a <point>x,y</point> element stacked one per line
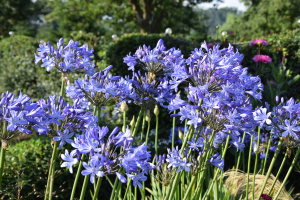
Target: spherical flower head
<point>258,42</point>
<point>262,58</point>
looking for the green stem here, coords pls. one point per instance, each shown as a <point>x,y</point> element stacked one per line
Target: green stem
<point>99,115</point>
<point>62,88</point>
<point>288,173</point>
<point>279,171</point>
<point>2,161</point>
<point>97,188</point>
<point>218,171</point>
<point>255,166</point>
<point>143,126</point>
<point>187,192</point>
<point>77,178</point>
<point>50,170</point>
<point>239,157</point>
<point>148,130</point>
<point>127,189</point>
<point>248,170</point>
<point>271,166</point>
<point>173,132</point>
<point>137,123</point>
<point>84,186</point>
<point>114,188</point>
<point>156,134</point>
<point>266,158</point>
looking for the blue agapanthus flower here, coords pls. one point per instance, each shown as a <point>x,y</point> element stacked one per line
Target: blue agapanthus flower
<point>66,58</point>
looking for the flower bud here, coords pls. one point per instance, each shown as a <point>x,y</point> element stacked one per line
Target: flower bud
<point>132,123</point>
<point>199,158</point>
<point>65,76</point>
<point>156,110</point>
<point>4,144</point>
<point>180,134</point>
<point>148,117</point>
<point>124,107</point>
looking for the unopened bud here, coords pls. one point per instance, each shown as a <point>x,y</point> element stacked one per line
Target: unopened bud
<point>124,107</point>
<point>148,117</point>
<point>65,76</point>
<point>156,110</point>
<point>4,144</point>
<point>132,123</point>
<point>180,134</point>
<point>199,158</point>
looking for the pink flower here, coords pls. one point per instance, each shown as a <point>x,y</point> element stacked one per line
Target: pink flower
<point>231,33</point>
<point>210,45</point>
<point>256,58</point>
<point>265,59</point>
<point>262,58</point>
<point>258,42</point>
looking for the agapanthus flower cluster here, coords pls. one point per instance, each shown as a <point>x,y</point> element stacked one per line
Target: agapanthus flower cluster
<point>282,120</point>
<point>109,154</point>
<point>262,58</point>
<point>218,93</point>
<point>98,90</point>
<point>60,121</point>
<point>259,42</point>
<point>66,58</point>
<point>157,61</point>
<point>17,115</point>
<point>146,93</point>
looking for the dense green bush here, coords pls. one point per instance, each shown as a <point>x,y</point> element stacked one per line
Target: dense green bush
<point>19,72</point>
<point>26,171</point>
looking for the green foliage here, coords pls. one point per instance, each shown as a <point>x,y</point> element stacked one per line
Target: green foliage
<point>26,171</point>
<point>285,85</point>
<point>266,17</point>
<point>19,71</point>
<point>16,16</point>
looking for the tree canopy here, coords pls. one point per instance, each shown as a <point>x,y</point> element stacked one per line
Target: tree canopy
<point>265,17</point>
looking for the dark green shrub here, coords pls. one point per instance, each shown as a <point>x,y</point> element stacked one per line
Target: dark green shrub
<point>26,171</point>
<point>19,72</point>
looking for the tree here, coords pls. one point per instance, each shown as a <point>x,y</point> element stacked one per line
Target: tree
<point>18,15</point>
<point>266,17</point>
<point>109,17</point>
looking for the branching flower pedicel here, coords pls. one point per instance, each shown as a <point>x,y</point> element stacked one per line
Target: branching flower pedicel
<point>98,90</point>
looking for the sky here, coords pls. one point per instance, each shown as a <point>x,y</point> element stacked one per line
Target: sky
<point>226,3</point>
